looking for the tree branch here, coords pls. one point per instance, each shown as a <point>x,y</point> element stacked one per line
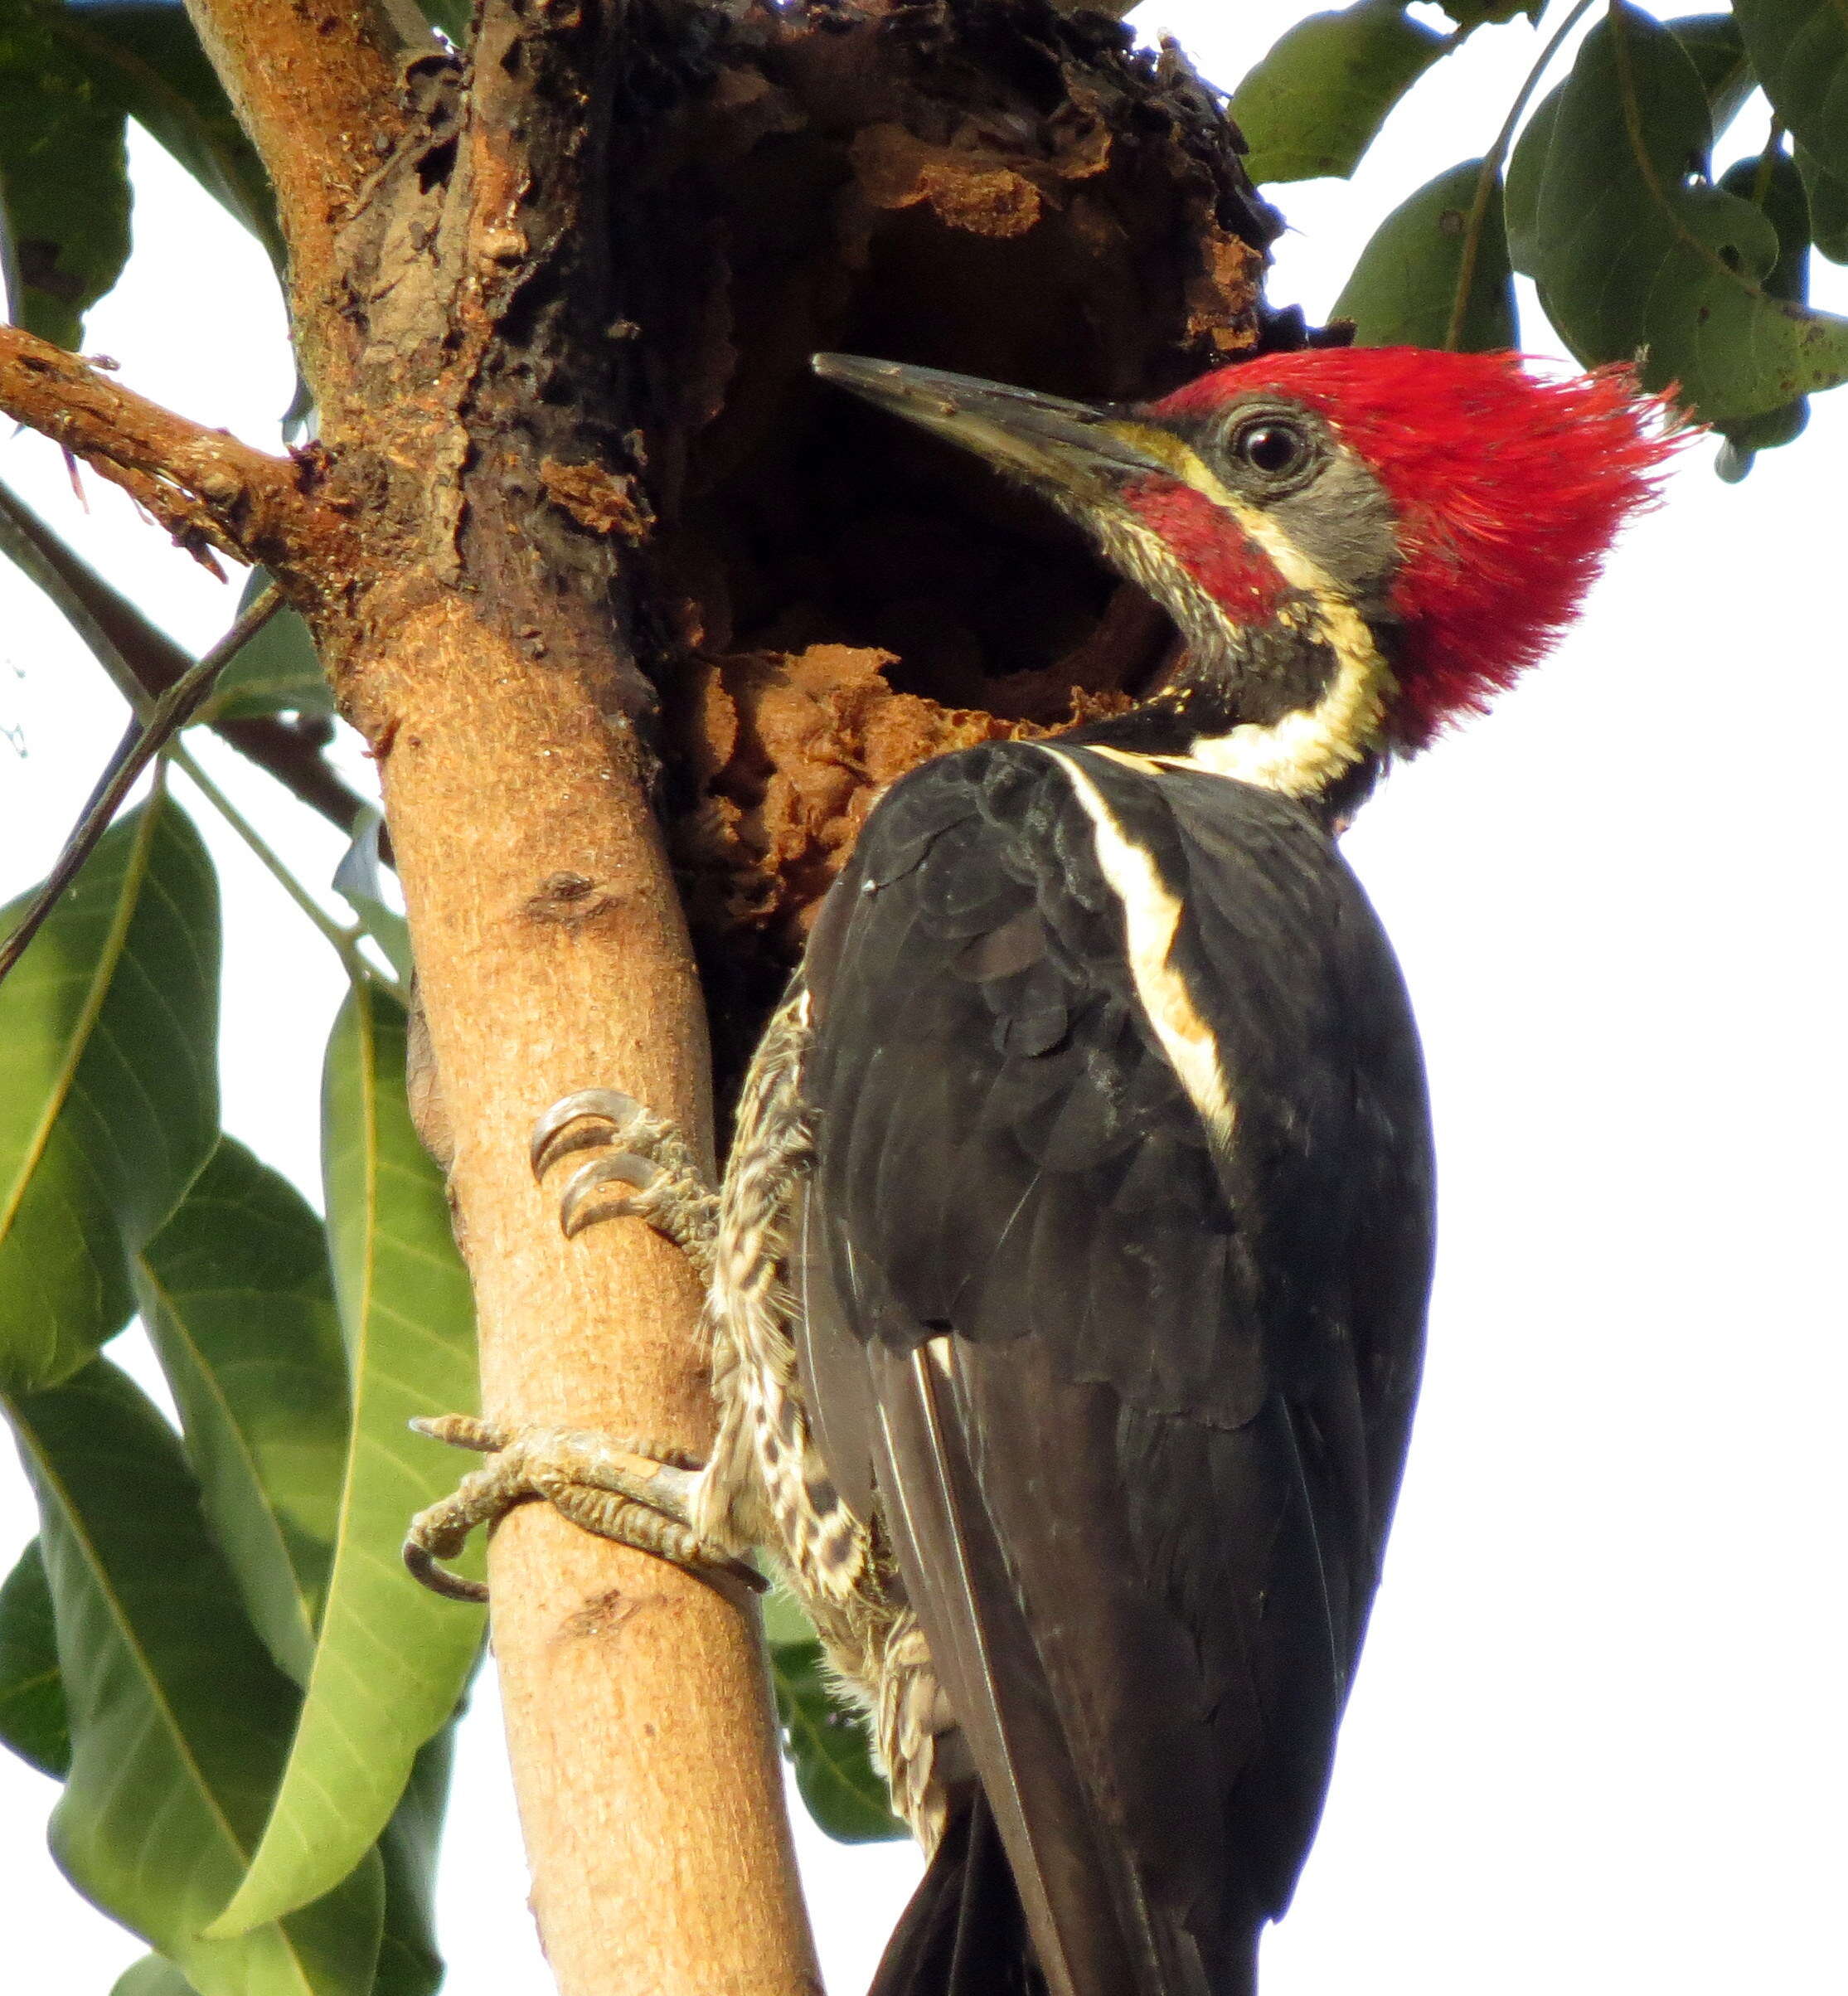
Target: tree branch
<point>146,735</point>
<point>204,486</point>
<point>472,630</point>
<point>487,662</point>
<point>146,662</point>
<point>551,954</point>
<point>517,305</point>
<point>315,85</point>
<point>291,751</point>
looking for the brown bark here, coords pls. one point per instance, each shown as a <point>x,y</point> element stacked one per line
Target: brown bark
<point>499,700</point>
<point>551,952</point>
<point>205,487</point>
<point>608,548</point>
<point>315,85</point>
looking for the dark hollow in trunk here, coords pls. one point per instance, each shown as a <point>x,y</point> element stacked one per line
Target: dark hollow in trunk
<point>799,601</point>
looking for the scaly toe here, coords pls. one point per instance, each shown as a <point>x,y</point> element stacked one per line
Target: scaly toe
<point>461,1431</point>
<point>441,1529</point>
<point>635,1494</point>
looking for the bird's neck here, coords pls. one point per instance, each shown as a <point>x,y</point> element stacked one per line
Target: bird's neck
<point>1296,705</point>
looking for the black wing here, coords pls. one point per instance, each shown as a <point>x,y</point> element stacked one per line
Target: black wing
<point>1133,1397</point>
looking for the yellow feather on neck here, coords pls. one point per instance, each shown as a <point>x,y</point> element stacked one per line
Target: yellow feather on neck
<point>1306,750</point>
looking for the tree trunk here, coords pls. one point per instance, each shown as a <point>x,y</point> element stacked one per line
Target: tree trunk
<point>628,607</point>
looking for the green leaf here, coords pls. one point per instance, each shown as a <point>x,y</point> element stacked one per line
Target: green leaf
<point>1799,49</point>
<point>1785,205</point>
<point>64,176</point>
<point>1631,255</point>
<point>784,1620</point>
<point>1712,44</point>
<point>1521,183</point>
<point>453,17</point>
<point>108,1087</point>
<point>824,1738</point>
<point>1404,289</point>
<point>1716,49</point>
<point>360,878</point>
<point>276,672</point>
<point>392,1657</point>
<point>1748,436</point>
<point>1315,102</point>
<point>827,1741</point>
<point>1471,14</point>
<point>179,1721</point>
<point>238,1297</point>
<point>153,1975</point>
<point>144,55</point>
<point>33,1722</point>
<point>1828,208</point>
<point>409,1964</point>
<point>1777,187</point>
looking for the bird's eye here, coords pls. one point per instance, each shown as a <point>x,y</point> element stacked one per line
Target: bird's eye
<point>1273,448</point>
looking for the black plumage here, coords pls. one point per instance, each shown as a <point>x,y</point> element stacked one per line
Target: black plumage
<point>1068,1277</point>
<point>1129,1397</point>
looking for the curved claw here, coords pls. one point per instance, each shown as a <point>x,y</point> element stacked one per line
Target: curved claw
<point>426,1569</point>
<point>620,1167</point>
<point>635,1493</point>
<point>550,1142</point>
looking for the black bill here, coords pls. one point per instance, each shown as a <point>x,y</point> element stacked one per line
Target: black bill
<point>1071,447</point>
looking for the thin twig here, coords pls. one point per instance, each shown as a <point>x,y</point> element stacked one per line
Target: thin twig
<point>62,575</point>
<point>291,751</point>
<point>344,941</point>
<point>1491,173</point>
<point>139,745</point>
<point>1768,161</point>
<point>143,662</point>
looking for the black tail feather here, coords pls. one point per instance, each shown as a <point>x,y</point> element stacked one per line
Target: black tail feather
<point>964,1933</point>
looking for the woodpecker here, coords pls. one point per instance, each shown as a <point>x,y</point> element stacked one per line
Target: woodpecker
<point>1068,1281</point>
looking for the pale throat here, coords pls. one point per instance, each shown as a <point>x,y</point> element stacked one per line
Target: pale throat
<point>1301,753</point>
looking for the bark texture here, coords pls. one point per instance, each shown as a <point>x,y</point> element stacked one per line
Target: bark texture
<point>991,186</point>
<point>626,604</point>
<point>208,490</point>
<point>552,952</point>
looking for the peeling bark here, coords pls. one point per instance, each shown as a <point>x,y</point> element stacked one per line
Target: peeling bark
<point>983,185</point>
<point>208,490</point>
<point>784,755</point>
<point>625,601</point>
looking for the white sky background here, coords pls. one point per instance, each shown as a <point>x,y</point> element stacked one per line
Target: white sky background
<point>1597,1744</point>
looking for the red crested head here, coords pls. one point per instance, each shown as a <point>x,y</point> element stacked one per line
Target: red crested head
<point>1358,544</point>
<point>1506,487</point>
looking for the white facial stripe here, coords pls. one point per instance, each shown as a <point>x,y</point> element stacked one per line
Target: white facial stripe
<point>1151,916</point>
<point>1307,750</point>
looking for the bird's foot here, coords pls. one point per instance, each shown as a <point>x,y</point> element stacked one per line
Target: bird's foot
<point>632,1492</point>
<point>651,1156</point>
